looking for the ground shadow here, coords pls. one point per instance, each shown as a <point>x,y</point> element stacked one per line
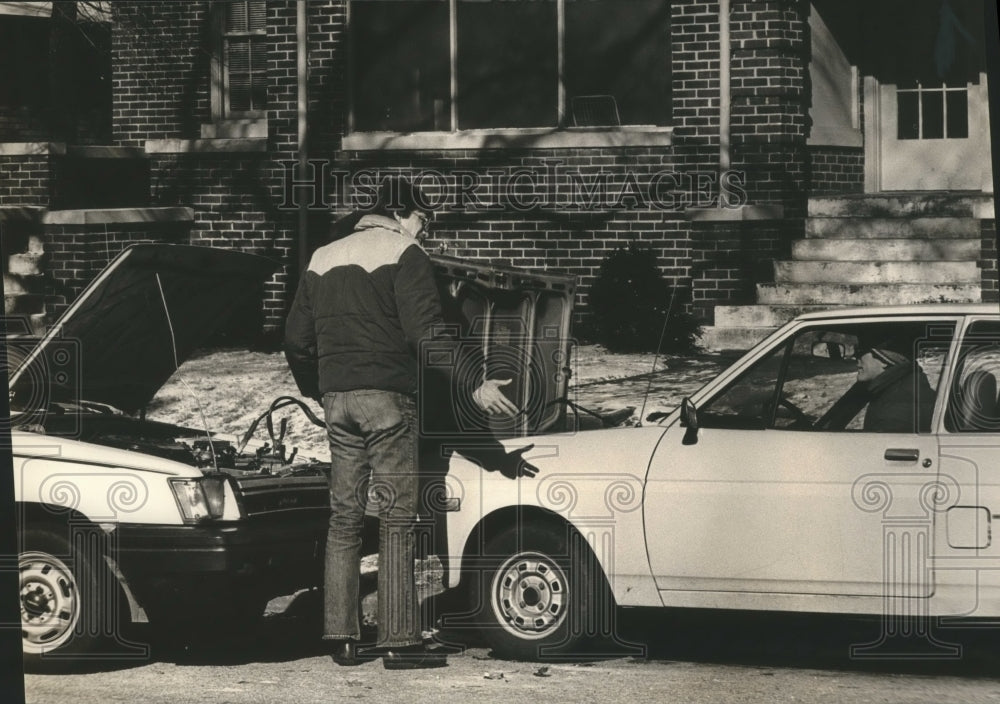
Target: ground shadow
<point>813,641</point>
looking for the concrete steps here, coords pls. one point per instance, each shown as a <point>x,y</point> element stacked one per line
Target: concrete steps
<point>896,228</point>
<point>887,250</point>
<point>864,250</point>
<point>761,315</point>
<point>830,294</point>
<point>903,205</point>
<point>877,272</point>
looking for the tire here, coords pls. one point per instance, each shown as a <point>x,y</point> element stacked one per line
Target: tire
<point>542,595</point>
<point>63,609</point>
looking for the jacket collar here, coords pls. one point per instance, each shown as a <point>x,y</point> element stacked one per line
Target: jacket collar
<point>889,377</point>
<point>381,222</point>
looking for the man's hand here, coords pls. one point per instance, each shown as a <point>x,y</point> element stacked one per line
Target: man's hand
<point>516,466</point>
<point>492,400</point>
<point>494,458</point>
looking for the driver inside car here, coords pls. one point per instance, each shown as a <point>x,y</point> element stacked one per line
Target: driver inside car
<point>891,386</point>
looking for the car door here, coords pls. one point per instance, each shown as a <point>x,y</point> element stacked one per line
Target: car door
<point>966,553</point>
<point>785,492</point>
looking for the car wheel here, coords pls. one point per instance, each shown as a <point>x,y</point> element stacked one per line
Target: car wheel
<point>59,594</point>
<point>543,595</point>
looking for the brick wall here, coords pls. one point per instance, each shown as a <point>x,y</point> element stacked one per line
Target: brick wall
<point>22,124</point>
<point>770,96</point>
<point>769,105</point>
<point>235,207</point>
<point>584,204</point>
<point>161,80</point>
<point>25,180</point>
<point>730,258</point>
<point>988,262</point>
<point>834,170</point>
<point>160,71</point>
<point>695,84</point>
<point>162,91</point>
<point>77,253</point>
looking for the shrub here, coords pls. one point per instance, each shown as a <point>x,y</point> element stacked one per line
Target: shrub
<point>629,301</point>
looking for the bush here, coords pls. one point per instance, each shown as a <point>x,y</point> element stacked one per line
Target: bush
<point>629,302</point>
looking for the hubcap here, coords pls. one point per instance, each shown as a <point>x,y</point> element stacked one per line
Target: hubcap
<point>529,594</point>
<point>50,602</point>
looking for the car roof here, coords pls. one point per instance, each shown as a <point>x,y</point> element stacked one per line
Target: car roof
<point>894,311</point>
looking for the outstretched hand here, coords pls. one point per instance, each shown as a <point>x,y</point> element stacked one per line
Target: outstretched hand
<point>494,458</point>
<point>515,465</point>
<point>492,400</point>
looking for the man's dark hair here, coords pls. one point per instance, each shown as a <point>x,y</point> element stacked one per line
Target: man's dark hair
<point>398,196</point>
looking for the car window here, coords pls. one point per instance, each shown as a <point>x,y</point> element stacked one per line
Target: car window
<point>741,404</point>
<point>973,406</point>
<point>813,381</point>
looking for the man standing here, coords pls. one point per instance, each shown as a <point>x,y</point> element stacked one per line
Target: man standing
<point>352,339</point>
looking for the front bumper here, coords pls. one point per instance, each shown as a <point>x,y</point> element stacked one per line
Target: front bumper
<point>210,562</point>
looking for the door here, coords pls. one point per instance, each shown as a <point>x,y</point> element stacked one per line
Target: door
<point>931,136</point>
<point>793,487</point>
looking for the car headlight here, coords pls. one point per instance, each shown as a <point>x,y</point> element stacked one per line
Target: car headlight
<point>205,498</point>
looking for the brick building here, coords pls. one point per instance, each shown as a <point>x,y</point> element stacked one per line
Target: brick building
<point>775,154</point>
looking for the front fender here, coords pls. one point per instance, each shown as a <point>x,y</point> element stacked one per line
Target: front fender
<point>106,485</point>
<point>592,480</point>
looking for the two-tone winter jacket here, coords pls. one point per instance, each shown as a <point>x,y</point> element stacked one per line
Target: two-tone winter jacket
<point>361,310</point>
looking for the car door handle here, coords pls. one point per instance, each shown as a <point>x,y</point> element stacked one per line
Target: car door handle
<point>895,454</point>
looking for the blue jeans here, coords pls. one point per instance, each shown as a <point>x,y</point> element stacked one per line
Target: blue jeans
<point>373,450</point>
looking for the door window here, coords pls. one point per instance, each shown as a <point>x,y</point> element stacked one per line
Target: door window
<point>974,406</point>
<point>876,377</point>
<point>933,112</point>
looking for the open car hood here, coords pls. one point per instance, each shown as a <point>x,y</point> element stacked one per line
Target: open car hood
<point>117,345</point>
<point>518,323</point>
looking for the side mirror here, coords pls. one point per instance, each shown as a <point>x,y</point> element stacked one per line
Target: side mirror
<point>689,419</point>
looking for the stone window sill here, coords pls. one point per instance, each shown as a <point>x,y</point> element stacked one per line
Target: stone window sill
<point>737,214</point>
<point>31,148</point>
<point>206,146</point>
<point>533,138</point>
<point>109,216</point>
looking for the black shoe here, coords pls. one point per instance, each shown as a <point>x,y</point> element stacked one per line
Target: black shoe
<point>413,657</point>
<point>345,653</point>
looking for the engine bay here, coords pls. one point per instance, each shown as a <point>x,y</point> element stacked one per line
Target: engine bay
<point>105,426</point>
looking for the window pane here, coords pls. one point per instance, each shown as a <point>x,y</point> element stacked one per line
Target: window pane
<point>814,383</point>
<point>239,92</point>
<point>257,19</point>
<point>401,65</point>
<point>933,109</point>
<point>236,17</point>
<point>258,50</point>
<point>619,49</point>
<point>258,91</point>
<point>891,390</point>
<point>958,114</point>
<point>238,55</point>
<point>974,404</point>
<point>743,404</point>
<point>907,116</point>
<point>507,64</point>
<point>24,43</point>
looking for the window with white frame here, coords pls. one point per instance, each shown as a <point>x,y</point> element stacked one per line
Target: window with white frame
<point>240,75</point>
<point>928,111</point>
<point>446,65</point>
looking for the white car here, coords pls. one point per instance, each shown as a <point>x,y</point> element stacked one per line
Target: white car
<point>785,484</point>
<point>122,518</point>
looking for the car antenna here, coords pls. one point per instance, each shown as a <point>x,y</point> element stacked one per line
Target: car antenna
<point>177,366</point>
<point>656,357</point>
